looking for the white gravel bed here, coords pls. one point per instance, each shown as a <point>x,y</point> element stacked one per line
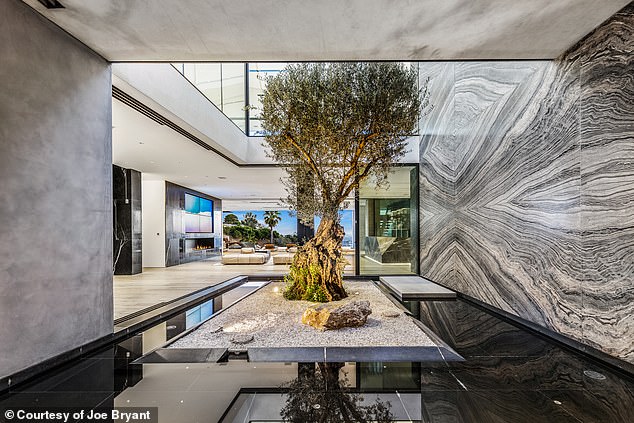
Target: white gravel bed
<point>276,322</point>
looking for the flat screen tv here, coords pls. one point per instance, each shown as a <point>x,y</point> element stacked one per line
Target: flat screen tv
<point>198,214</point>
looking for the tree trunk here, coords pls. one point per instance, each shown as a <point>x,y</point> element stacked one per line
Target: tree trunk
<point>271,234</point>
<point>317,270</point>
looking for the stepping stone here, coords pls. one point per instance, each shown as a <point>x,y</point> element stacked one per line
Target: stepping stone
<point>415,288</point>
<point>390,314</point>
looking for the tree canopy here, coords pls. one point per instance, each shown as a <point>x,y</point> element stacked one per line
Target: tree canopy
<point>331,125</point>
<point>231,219</point>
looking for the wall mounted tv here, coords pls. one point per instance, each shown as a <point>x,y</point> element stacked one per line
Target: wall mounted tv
<point>198,214</point>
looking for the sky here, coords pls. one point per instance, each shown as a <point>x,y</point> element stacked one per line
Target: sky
<point>288,224</point>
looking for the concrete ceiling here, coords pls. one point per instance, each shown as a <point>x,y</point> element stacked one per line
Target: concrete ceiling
<point>160,153</point>
<point>293,30</point>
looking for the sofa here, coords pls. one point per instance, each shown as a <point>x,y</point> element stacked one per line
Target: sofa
<point>245,256</point>
<point>285,257</point>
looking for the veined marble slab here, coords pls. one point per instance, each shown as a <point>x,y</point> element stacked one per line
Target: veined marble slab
<point>527,186</point>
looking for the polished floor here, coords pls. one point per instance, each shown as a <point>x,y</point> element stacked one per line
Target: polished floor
<point>156,285</point>
<point>509,375</point>
<point>162,284</point>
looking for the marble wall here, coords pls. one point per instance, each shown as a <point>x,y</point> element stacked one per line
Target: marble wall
<point>127,239</point>
<point>527,186</point>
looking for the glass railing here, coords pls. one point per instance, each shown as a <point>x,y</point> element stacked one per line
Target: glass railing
<point>236,89</point>
<point>223,84</point>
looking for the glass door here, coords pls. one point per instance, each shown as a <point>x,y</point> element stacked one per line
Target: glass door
<point>388,224</point>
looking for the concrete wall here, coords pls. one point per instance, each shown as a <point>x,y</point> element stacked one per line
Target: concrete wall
<point>56,211</point>
<point>527,186</point>
<point>153,218</point>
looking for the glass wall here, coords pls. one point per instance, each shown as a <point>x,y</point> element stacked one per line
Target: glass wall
<point>223,84</point>
<point>388,224</point>
<point>257,82</point>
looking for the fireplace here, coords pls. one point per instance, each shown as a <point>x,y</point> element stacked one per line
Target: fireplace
<point>199,247</point>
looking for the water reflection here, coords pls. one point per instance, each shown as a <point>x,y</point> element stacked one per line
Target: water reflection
<point>319,395</point>
<point>509,375</point>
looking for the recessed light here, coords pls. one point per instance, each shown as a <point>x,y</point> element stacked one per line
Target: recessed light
<point>152,161</point>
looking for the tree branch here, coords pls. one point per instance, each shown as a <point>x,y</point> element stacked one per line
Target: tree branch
<point>357,180</point>
<point>308,159</point>
<point>355,161</point>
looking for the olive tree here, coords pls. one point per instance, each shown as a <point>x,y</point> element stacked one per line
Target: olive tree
<point>332,125</point>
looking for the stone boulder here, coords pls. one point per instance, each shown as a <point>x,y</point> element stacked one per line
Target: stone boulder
<point>332,316</point>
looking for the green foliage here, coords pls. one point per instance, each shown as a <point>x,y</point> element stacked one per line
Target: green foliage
<point>250,220</point>
<point>303,283</point>
<point>247,233</point>
<point>231,219</point>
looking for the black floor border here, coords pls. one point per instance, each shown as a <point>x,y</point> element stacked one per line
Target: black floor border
<point>612,363</point>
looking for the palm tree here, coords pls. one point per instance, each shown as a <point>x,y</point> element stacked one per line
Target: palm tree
<point>272,218</point>
<point>250,220</point>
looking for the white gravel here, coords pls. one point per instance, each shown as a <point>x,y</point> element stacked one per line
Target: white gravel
<point>276,322</point>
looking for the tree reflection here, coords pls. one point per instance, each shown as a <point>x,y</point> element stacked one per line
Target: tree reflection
<point>318,396</point>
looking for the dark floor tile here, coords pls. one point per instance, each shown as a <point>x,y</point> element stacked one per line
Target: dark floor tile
<point>56,399</point>
<point>601,406</point>
<point>492,407</point>
<point>439,379</point>
<point>553,371</point>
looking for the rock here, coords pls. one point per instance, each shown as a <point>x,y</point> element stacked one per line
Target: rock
<point>332,316</point>
<point>242,338</point>
<point>390,313</point>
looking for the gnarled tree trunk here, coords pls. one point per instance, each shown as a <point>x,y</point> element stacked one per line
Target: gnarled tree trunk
<point>317,270</point>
